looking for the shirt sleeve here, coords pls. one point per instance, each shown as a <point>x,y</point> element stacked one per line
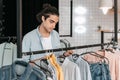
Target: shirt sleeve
<point>77,73</point>
<point>56,43</point>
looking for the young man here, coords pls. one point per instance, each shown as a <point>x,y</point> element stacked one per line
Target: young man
<point>44,37</point>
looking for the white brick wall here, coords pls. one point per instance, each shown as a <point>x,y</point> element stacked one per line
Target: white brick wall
<point>94,17</point>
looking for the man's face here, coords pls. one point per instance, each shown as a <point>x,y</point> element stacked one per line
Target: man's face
<point>50,23</point>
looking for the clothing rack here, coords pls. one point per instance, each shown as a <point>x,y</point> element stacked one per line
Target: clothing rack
<point>8,39</point>
<point>113,40</point>
<point>19,28</point>
<point>115,20</point>
<point>62,49</point>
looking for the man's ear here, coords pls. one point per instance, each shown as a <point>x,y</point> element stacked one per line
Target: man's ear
<point>43,18</point>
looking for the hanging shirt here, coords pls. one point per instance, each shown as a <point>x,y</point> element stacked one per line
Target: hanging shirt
<point>117,65</point>
<point>71,70</point>
<point>46,42</point>
<point>8,53</point>
<point>111,58</point>
<point>100,71</point>
<point>83,66</point>
<point>51,74</point>
<point>29,73</point>
<point>59,71</point>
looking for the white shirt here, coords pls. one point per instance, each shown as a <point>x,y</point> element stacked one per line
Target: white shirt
<point>70,70</point>
<point>46,42</point>
<point>8,53</point>
<point>84,68</point>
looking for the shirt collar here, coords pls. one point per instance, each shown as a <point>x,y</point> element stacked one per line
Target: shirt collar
<point>52,37</point>
<point>37,30</point>
<point>66,61</point>
<point>40,33</point>
<point>26,73</point>
<point>71,59</point>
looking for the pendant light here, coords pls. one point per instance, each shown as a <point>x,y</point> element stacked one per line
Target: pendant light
<point>105,5</point>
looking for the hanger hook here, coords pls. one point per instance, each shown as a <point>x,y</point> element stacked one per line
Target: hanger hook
<point>8,38</point>
<point>52,51</point>
<point>49,52</point>
<point>30,56</point>
<point>75,50</point>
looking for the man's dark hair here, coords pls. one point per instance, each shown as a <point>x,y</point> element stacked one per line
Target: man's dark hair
<point>46,12</point>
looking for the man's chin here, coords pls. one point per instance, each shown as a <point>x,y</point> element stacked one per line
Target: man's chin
<point>49,30</point>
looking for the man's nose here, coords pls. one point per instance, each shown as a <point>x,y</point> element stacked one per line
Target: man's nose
<point>53,26</point>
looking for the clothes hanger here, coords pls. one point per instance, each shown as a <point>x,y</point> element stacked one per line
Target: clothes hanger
<point>75,56</point>
<point>33,62</point>
<point>9,39</point>
<point>113,43</point>
<point>68,43</point>
<point>13,40</point>
<point>21,63</point>
<point>93,53</point>
<point>64,44</point>
<point>96,54</point>
<point>41,68</point>
<point>108,48</point>
<point>61,58</point>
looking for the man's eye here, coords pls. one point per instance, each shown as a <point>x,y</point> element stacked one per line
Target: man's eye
<point>51,21</point>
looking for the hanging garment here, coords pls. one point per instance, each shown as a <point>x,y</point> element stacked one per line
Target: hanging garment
<point>57,67</point>
<point>117,65</point>
<point>71,70</point>
<point>83,66</point>
<point>64,43</point>
<point>8,53</point>
<point>112,66</point>
<point>54,71</point>
<point>45,64</point>
<point>100,71</point>
<point>21,70</point>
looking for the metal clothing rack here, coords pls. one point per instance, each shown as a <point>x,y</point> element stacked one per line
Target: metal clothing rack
<point>19,28</point>
<point>62,49</point>
<point>8,39</point>
<point>115,20</point>
<point>115,25</point>
<point>113,40</point>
